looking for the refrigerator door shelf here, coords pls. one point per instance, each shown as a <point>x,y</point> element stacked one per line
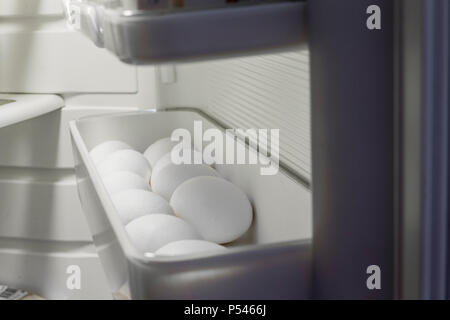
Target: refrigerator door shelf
<point>145,36</point>
<point>273,259</point>
<point>15,108</point>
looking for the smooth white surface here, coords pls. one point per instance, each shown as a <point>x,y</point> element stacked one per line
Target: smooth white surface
<point>164,161</point>
<point>124,180</point>
<point>27,106</point>
<point>219,210</point>
<point>104,149</point>
<point>158,149</point>
<point>186,247</point>
<point>41,204</point>
<point>58,61</point>
<point>145,98</point>
<point>151,232</point>
<point>134,203</point>
<point>168,178</point>
<point>41,268</point>
<point>44,142</point>
<point>167,159</point>
<point>30,7</point>
<point>126,160</point>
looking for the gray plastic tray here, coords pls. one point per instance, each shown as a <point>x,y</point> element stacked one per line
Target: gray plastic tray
<point>273,260</point>
<point>142,36</point>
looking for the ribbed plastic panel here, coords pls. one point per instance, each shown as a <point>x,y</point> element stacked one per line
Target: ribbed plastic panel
<point>267,91</point>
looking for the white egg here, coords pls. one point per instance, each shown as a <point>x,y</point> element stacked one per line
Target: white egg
<point>167,159</point>
<point>124,180</point>
<point>164,161</point>
<point>102,150</point>
<point>134,203</point>
<point>158,149</point>
<point>168,178</point>
<point>126,160</point>
<point>151,232</point>
<point>185,247</point>
<point>219,210</point>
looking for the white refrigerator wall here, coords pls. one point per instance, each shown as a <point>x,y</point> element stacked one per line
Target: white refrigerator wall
<point>42,229</point>
<point>268,91</point>
<point>39,54</point>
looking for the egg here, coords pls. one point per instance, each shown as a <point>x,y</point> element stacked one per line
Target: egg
<point>167,159</point>
<point>158,149</point>
<point>151,232</point>
<point>168,178</point>
<point>126,160</point>
<point>135,203</point>
<point>102,150</point>
<point>123,180</point>
<point>186,247</point>
<point>218,210</point>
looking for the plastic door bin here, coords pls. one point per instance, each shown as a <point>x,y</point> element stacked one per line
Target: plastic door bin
<point>272,261</point>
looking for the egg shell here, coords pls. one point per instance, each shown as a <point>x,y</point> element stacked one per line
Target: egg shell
<point>126,160</point>
<point>186,247</point>
<point>220,211</point>
<point>135,203</point>
<point>166,180</point>
<point>151,232</point>
<point>102,150</point>
<point>123,180</point>
<point>158,149</point>
<point>167,159</point>
<point>164,161</point>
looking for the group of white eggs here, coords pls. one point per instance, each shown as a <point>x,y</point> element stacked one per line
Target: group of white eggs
<point>171,209</point>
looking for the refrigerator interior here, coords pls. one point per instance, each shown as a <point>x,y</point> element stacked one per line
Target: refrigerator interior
<point>43,230</point>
